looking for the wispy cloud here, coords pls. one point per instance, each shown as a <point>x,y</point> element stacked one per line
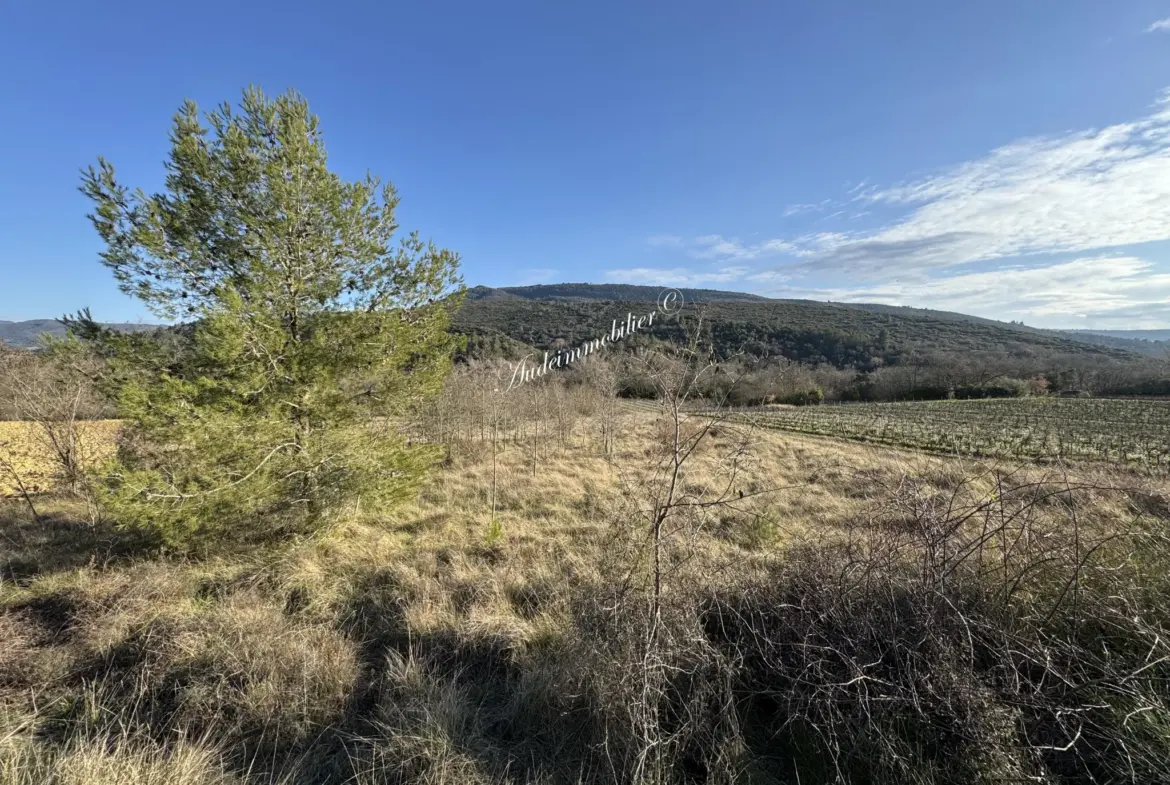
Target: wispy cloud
<point>1097,291</point>
<point>768,276</point>
<point>801,209</point>
<point>714,247</point>
<point>1093,193</point>
<point>1071,193</point>
<point>1161,26</point>
<point>1106,291</point>
<point>678,276</point>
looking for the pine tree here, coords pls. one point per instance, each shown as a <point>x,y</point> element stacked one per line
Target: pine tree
<point>308,330</point>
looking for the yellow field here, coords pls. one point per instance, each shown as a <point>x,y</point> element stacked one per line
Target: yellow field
<point>26,456</point>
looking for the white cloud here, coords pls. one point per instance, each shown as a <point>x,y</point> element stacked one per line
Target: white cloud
<point>800,209</point>
<point>714,247</point>
<point>1123,292</point>
<point>1162,25</point>
<point>1111,291</point>
<point>767,275</point>
<point>1091,193</point>
<point>1071,193</point>
<point>678,276</point>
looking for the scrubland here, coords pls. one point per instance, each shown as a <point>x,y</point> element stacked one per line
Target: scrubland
<point>823,612</point>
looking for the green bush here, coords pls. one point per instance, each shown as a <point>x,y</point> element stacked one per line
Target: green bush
<point>805,398</point>
<point>999,388</point>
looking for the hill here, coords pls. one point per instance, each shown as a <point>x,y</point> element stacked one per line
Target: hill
<point>24,335</point>
<point>844,335</point>
<point>509,321</point>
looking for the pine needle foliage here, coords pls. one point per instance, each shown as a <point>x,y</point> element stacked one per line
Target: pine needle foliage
<point>310,326</point>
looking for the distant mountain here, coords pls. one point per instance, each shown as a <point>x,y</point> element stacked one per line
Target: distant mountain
<point>24,335</point>
<point>1127,339</point>
<point>1134,335</point>
<point>1150,343</point>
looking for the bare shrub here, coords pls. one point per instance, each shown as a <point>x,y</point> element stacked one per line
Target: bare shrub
<point>658,690</point>
<point>979,642</point>
<point>55,390</point>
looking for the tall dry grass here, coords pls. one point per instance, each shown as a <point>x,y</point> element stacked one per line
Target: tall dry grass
<point>862,615</point>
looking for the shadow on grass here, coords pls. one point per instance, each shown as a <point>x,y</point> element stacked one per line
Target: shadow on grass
<point>59,540</point>
<point>442,705</point>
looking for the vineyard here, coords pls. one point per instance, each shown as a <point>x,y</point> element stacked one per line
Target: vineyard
<point>1039,429</point>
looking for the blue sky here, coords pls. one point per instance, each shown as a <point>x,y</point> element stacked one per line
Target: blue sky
<point>1004,158</point>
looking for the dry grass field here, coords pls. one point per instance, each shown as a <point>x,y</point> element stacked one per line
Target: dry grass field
<point>26,454</point>
<point>445,642</point>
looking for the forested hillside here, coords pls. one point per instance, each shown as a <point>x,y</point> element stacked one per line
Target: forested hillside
<point>800,330</point>
<point>859,351</point>
<point>503,321</point>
